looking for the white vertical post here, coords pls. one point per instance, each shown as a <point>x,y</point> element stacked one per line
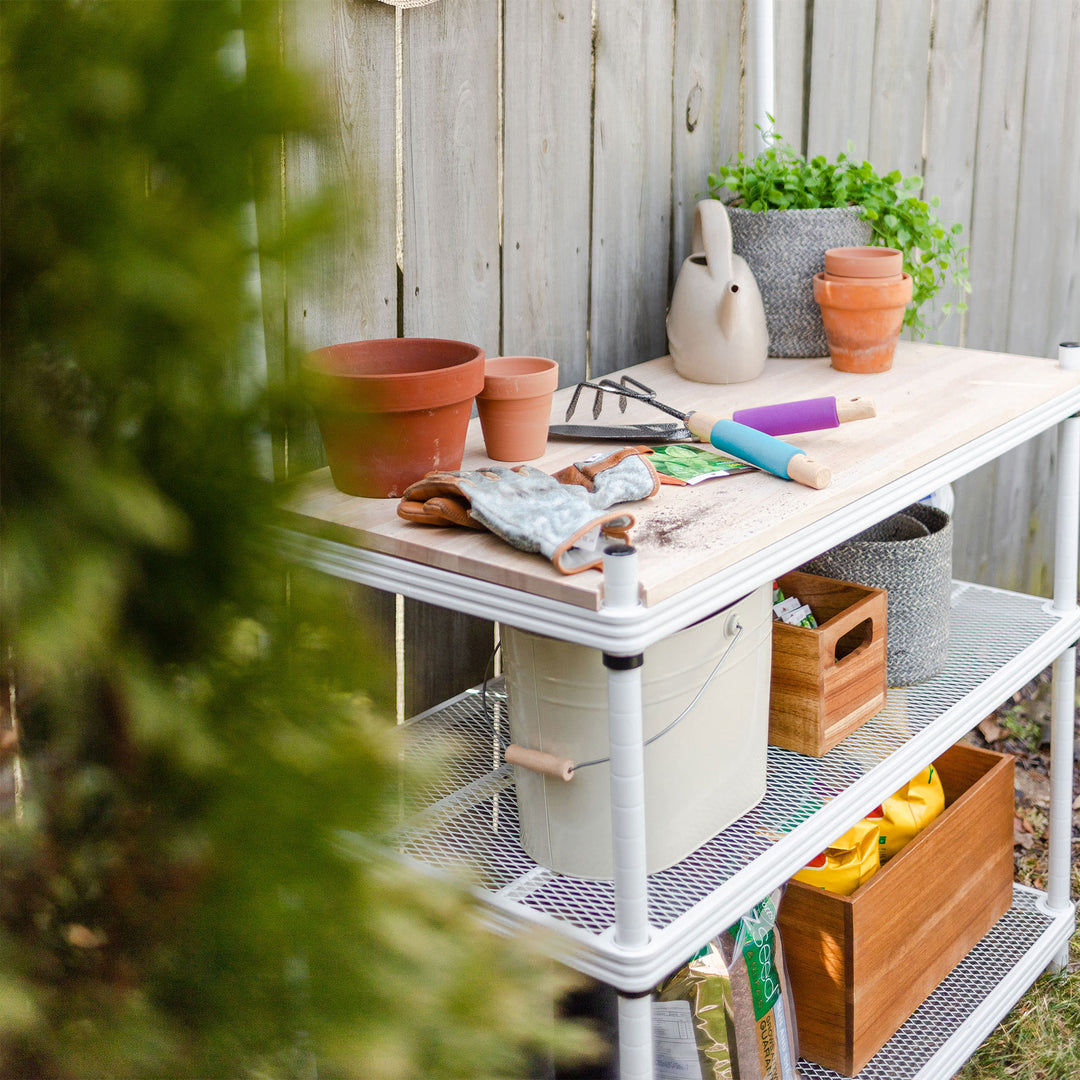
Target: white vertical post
<point>625,728</point>
<point>1063,689</point>
<point>763,80</point>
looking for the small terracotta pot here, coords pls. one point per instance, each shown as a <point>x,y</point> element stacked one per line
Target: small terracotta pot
<point>515,406</point>
<point>862,320</point>
<point>393,409</point>
<point>864,262</point>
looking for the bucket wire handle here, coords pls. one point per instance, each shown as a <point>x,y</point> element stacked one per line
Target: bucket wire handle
<point>565,770</point>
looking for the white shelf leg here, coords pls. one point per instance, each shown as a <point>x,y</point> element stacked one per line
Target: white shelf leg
<point>635,1037</point>
<point>628,814</point>
<point>1063,700</point>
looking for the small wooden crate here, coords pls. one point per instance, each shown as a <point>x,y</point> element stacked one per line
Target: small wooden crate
<point>828,681</point>
<point>860,965</point>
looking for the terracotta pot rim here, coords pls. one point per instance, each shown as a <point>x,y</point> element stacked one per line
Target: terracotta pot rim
<point>508,377</point>
<point>863,294</point>
<point>328,359</point>
<point>393,374</point>
<point>864,262</point>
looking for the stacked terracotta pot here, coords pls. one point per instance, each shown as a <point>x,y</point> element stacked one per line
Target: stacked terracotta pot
<point>862,294</point>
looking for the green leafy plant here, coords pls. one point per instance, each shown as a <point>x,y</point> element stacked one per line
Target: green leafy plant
<point>780,178</point>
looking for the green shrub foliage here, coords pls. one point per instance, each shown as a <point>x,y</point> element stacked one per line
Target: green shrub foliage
<point>179,896</point>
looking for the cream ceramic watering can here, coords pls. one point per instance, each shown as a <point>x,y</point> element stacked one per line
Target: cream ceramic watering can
<point>716,323</point>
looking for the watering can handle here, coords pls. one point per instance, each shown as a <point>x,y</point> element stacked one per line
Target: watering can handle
<point>712,235</point>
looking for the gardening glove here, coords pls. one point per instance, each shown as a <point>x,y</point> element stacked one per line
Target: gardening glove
<point>535,512</point>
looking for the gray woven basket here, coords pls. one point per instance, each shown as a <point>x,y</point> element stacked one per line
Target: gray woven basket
<point>785,249</point>
<point>910,556</point>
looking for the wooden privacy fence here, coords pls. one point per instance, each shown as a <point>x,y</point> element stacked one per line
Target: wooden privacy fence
<point>522,175</point>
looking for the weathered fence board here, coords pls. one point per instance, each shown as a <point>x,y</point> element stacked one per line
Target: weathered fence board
<point>705,108</point>
<point>996,173</point>
<point>547,141</point>
<point>898,100</point>
<point>841,77</point>
<point>450,132</point>
<point>991,240</point>
<point>789,69</point>
<point>631,201</point>
<point>951,127</point>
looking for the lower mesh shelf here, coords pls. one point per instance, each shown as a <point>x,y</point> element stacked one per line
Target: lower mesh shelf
<point>464,819</point>
<point>964,1009</point>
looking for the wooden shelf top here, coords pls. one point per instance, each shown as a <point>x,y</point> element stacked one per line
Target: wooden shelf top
<point>934,400</point>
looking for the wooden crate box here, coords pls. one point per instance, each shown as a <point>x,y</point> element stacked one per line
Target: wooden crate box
<point>828,681</point>
<point>860,965</point>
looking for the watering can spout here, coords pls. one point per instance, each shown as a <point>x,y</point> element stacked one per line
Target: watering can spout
<point>729,313</point>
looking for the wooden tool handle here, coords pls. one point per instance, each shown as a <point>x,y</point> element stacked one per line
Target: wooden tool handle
<point>701,424</point>
<point>855,408</point>
<point>538,761</point>
<point>809,472</point>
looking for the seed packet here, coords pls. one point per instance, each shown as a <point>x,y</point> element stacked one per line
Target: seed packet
<point>684,463</point>
<point>727,1015</point>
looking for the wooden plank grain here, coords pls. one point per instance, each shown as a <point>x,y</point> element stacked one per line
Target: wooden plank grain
<point>631,193</point>
<point>901,46</point>
<point>1044,189</point>
<point>841,80</point>
<point>450,128</point>
<point>346,288</point>
<point>705,108</point>
<point>547,132</point>
<point>1022,512</point>
<point>349,290</point>
<point>997,174</point>
<point>952,122</point>
<point>1064,314</point>
<point>789,68</point>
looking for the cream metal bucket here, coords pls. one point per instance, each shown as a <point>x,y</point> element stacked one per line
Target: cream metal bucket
<point>708,770</point>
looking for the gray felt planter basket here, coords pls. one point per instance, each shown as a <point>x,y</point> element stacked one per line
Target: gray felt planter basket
<point>910,556</point>
<point>784,250</point>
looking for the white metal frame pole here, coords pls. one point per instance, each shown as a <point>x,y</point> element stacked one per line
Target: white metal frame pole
<point>1063,687</point>
<point>626,734</point>
<point>763,77</point>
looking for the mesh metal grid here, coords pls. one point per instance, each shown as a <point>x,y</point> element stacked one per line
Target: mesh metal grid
<point>953,1003</point>
<point>465,819</point>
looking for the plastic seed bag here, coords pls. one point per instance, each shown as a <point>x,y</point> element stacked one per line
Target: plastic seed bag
<point>845,864</point>
<point>902,816</point>
<point>727,1015</point>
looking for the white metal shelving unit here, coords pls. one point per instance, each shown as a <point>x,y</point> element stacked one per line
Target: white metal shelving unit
<point>633,931</point>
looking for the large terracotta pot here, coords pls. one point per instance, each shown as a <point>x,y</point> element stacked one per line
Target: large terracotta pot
<point>393,409</point>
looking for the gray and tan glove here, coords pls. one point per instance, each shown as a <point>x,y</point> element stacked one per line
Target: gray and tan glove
<point>565,517</point>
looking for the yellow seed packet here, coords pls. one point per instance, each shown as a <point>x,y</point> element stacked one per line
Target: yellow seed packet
<point>845,864</point>
<point>902,816</point>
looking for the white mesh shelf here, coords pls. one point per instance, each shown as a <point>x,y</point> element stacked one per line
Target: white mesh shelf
<point>465,819</point>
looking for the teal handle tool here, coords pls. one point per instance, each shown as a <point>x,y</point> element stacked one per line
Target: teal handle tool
<point>765,451</point>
